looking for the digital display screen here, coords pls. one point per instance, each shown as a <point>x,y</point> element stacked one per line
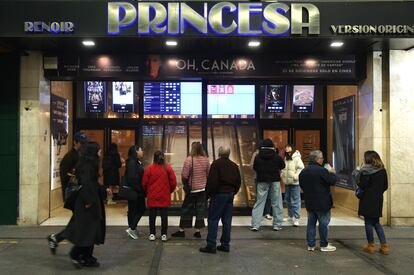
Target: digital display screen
<point>231,99</point>
<point>275,98</point>
<point>123,97</point>
<point>95,96</point>
<point>303,98</point>
<point>172,98</point>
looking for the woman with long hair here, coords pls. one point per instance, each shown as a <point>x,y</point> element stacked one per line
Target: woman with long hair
<point>133,175</point>
<point>372,179</point>
<point>87,225</point>
<point>194,177</point>
<point>110,165</point>
<point>290,176</point>
<point>159,182</point>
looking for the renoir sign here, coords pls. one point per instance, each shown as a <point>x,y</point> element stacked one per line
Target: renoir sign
<point>217,18</point>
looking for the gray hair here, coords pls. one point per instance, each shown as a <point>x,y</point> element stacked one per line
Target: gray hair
<point>224,152</point>
<point>315,155</point>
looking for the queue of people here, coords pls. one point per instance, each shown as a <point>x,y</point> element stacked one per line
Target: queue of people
<point>219,183</point>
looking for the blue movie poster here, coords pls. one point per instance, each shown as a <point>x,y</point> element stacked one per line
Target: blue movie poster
<point>344,140</point>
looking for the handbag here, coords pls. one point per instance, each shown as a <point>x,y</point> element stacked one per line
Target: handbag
<point>72,192</point>
<point>186,182</point>
<point>359,192</point>
<point>127,193</point>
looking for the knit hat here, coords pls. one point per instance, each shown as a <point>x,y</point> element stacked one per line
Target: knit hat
<point>80,137</point>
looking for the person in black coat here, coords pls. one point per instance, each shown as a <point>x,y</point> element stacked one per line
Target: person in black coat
<point>372,179</point>
<point>133,177</point>
<point>88,224</point>
<point>316,182</point>
<point>268,165</point>
<point>67,167</point>
<point>111,164</point>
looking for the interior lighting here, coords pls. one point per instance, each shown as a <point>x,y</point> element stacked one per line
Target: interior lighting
<point>337,44</point>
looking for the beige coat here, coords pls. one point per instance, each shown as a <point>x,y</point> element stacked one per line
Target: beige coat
<point>290,175</point>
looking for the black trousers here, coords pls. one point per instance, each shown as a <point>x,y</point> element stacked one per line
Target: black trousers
<point>136,210</point>
<point>164,220</point>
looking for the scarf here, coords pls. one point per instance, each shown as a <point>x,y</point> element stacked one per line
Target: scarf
<point>366,169</point>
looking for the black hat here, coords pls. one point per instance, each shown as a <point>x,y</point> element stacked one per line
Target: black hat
<point>268,143</point>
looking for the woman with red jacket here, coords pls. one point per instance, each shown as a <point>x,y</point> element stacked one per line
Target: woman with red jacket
<point>159,182</point>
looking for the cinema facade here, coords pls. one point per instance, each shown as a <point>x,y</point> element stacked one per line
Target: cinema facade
<point>335,76</point>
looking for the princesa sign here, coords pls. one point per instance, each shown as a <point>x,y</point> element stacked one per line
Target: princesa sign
<point>219,18</point>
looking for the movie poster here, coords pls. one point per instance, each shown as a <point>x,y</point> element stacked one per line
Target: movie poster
<point>123,97</point>
<point>303,98</point>
<point>95,97</point>
<point>344,140</point>
<point>275,98</point>
<point>59,125</point>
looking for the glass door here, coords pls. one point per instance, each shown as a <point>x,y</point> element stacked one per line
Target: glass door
<point>124,139</point>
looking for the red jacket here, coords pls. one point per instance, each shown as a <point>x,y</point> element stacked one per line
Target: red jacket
<point>157,186</point>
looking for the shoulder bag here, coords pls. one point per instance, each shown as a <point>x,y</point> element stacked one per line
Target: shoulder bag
<point>187,182</point>
<point>71,192</point>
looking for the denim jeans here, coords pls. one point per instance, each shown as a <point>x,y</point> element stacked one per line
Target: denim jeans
<point>292,197</point>
<point>263,188</point>
<point>221,207</point>
<point>370,224</point>
<point>323,218</point>
<point>268,206</point>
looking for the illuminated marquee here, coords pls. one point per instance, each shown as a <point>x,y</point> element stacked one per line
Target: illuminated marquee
<point>175,18</point>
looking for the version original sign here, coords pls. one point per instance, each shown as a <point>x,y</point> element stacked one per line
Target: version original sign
<point>219,18</point>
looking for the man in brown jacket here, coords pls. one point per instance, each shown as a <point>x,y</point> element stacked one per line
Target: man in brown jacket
<point>222,184</point>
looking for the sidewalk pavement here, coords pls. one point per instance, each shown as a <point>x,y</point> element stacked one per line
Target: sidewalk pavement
<point>24,250</point>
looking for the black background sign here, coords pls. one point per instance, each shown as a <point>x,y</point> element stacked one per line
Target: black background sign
<point>159,67</point>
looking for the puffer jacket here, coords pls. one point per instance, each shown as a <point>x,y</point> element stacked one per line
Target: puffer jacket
<point>290,175</point>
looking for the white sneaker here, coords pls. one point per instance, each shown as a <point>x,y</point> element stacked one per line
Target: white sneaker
<point>132,233</point>
<point>311,248</point>
<point>295,222</point>
<point>151,237</point>
<point>277,228</point>
<point>268,217</point>
<point>164,238</point>
<point>254,229</point>
<point>328,248</point>
<point>287,219</point>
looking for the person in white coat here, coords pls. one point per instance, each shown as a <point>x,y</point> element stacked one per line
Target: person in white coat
<point>290,176</point>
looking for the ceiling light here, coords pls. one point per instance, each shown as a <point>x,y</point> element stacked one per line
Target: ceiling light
<point>337,44</point>
<point>88,43</point>
<point>171,43</point>
<point>254,43</point>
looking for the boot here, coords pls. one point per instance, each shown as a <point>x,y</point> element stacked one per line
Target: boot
<point>369,248</point>
<point>384,249</point>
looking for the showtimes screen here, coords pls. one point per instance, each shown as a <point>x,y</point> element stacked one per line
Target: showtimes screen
<point>95,96</point>
<point>275,98</point>
<point>303,98</point>
<point>123,97</point>
<point>172,98</point>
<point>231,99</point>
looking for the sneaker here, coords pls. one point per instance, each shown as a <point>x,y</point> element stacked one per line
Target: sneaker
<point>208,249</point>
<point>132,233</point>
<point>311,248</point>
<point>295,222</point>
<point>178,234</point>
<point>164,238</point>
<point>328,248</point>
<point>289,219</point>
<point>53,244</point>
<point>223,249</point>
<point>277,228</point>
<point>197,235</point>
<point>254,229</point>
<point>151,237</point>
<point>268,217</point>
